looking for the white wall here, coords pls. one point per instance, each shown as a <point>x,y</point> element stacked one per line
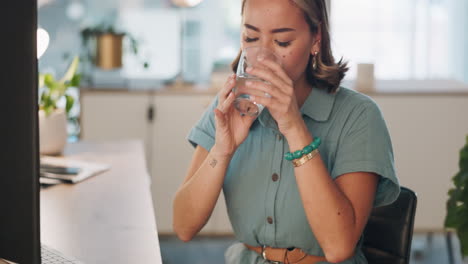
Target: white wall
<point>427,132</point>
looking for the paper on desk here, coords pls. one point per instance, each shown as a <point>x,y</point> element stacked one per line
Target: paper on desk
<point>87,168</point>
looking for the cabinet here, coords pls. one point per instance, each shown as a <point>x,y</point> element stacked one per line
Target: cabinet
<point>427,131</point>
<point>107,116</point>
<point>162,121</point>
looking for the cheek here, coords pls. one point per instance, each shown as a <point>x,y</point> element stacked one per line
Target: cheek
<point>295,63</point>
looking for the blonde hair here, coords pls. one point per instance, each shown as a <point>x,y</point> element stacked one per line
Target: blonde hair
<point>328,73</point>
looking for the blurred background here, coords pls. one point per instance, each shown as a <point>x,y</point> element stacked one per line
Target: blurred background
<point>149,69</point>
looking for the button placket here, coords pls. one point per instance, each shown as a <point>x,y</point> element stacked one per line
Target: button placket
<point>272,190</point>
<point>270,220</point>
<point>275,177</point>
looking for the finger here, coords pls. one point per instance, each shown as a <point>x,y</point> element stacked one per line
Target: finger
<point>219,118</point>
<point>230,83</point>
<point>277,69</point>
<point>265,101</point>
<point>227,103</point>
<point>250,119</point>
<point>265,90</point>
<point>267,75</point>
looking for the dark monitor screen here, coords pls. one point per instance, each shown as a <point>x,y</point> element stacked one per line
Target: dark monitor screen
<point>19,158</point>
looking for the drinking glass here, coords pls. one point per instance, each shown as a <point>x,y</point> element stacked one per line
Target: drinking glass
<point>249,58</point>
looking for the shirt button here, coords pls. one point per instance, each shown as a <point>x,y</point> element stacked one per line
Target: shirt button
<point>275,177</point>
<point>270,220</point>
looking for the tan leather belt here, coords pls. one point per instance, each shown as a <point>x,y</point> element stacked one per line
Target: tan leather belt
<point>284,255</point>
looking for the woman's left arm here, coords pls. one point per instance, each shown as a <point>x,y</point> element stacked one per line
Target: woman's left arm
<point>337,210</point>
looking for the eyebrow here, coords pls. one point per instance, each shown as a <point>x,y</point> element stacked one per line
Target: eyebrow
<point>276,30</point>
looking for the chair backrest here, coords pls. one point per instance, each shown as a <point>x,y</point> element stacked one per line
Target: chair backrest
<point>389,231</point>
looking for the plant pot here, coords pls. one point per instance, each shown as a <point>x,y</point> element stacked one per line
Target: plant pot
<point>52,132</point>
<point>109,51</point>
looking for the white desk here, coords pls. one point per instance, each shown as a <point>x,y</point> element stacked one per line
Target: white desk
<point>107,218</point>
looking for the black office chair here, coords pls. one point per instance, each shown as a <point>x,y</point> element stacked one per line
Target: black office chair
<point>389,231</point>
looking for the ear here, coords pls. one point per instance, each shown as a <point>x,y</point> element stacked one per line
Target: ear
<point>317,40</point>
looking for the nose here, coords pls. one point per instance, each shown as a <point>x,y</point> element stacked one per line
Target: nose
<point>267,43</point>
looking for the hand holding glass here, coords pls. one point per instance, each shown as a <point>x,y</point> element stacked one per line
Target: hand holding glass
<point>249,58</point>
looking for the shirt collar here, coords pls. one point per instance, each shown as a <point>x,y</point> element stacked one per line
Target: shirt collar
<point>319,104</point>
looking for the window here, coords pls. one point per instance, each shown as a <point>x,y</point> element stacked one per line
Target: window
<point>405,39</point>
<point>230,42</point>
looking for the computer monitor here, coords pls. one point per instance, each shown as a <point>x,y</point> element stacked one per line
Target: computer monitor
<point>19,158</point>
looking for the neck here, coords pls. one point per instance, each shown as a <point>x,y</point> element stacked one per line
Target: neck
<point>302,90</point>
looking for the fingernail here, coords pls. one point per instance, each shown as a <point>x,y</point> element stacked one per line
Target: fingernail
<point>248,83</point>
<point>252,98</point>
<point>260,57</point>
<point>249,69</point>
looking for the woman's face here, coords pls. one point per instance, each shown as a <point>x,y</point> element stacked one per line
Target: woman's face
<point>280,27</point>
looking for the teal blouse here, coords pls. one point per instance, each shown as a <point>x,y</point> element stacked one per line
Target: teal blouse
<point>262,197</point>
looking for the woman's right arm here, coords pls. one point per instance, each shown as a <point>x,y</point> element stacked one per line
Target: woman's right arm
<point>196,198</point>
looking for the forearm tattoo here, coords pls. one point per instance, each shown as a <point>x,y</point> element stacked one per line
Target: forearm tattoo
<point>213,163</point>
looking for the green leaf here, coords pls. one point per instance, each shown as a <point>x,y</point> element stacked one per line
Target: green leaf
<point>59,91</point>
<point>55,90</point>
<point>71,70</point>
<point>70,102</point>
<point>133,45</point>
<point>454,210</point>
<point>75,81</point>
<point>49,109</point>
<point>49,103</point>
<point>462,232</point>
<point>460,178</point>
<point>111,29</point>
<point>49,80</point>
<point>43,99</point>
<point>463,164</point>
<point>451,218</point>
<point>457,204</point>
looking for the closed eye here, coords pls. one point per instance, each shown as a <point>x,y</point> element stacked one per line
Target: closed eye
<point>283,44</point>
<point>247,39</point>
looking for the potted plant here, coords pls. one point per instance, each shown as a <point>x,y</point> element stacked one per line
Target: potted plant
<point>52,118</point>
<point>107,45</point>
<point>457,204</point>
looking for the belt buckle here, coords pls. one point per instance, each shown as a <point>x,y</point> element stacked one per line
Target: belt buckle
<point>263,252</point>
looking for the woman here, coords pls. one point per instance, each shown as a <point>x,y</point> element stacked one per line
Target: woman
<point>311,213</point>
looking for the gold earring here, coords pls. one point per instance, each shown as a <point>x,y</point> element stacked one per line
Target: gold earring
<point>314,61</point>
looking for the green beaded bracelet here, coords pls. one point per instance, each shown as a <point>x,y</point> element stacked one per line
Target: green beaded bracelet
<point>306,150</point>
<point>297,154</point>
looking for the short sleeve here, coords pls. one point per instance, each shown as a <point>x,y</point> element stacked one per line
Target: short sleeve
<point>203,132</point>
<point>365,145</point>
